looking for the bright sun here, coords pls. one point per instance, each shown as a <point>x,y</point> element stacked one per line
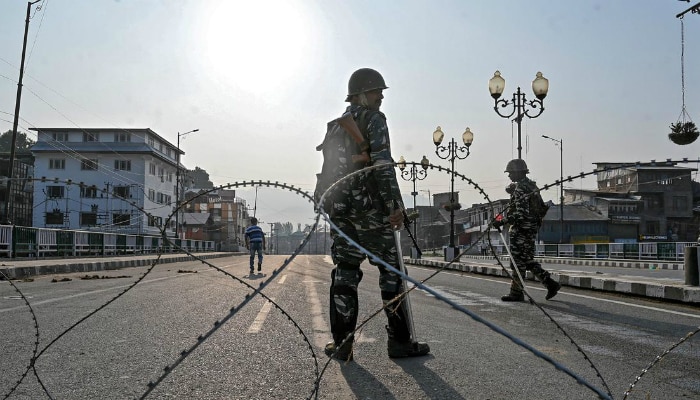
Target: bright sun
<point>256,45</point>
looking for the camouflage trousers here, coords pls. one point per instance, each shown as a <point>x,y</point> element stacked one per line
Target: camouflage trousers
<point>522,248</point>
<point>346,276</point>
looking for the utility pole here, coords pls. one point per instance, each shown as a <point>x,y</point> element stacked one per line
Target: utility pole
<point>15,122</point>
<point>272,232</point>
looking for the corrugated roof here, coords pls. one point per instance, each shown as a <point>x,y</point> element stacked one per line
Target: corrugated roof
<point>195,218</point>
<point>574,213</point>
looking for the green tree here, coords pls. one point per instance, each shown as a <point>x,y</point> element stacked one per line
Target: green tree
<point>23,142</point>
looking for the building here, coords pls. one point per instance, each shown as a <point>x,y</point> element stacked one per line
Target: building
<point>196,226</point>
<point>229,216</point>
<point>642,202</point>
<point>106,179</point>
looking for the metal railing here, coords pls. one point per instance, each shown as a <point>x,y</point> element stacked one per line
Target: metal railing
<point>666,251</point>
<point>23,241</point>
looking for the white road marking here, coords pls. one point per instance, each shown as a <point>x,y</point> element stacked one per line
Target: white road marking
<point>319,323</point>
<point>583,296</point>
<point>261,317</point>
<point>72,296</point>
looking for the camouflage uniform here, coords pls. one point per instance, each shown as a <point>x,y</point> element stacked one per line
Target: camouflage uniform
<point>523,231</point>
<point>361,212</point>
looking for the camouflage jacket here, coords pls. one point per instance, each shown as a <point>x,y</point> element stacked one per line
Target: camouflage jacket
<point>379,189</point>
<point>519,214</point>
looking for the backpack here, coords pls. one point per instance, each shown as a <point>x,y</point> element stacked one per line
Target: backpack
<point>338,149</point>
<point>538,208</point>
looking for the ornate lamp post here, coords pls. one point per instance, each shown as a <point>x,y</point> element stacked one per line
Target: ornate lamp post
<point>540,86</point>
<point>177,183</point>
<point>414,174</point>
<point>451,152</point>
<point>560,143</point>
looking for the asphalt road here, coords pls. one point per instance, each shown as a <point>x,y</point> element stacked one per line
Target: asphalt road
<point>196,333</point>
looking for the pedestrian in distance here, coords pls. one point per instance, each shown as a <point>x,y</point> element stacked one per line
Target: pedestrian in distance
<point>367,211</point>
<point>524,215</point>
<point>255,243</point>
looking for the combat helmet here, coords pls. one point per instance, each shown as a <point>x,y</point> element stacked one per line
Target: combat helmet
<point>364,80</point>
<point>517,165</point>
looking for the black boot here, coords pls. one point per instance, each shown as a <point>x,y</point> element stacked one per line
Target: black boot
<point>335,350</point>
<point>516,292</point>
<point>552,287</point>
<point>512,296</point>
<point>405,348</point>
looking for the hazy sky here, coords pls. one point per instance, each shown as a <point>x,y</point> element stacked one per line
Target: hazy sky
<point>260,79</point>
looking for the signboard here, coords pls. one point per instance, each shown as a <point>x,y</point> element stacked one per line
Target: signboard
<point>625,219</point>
<point>653,237</point>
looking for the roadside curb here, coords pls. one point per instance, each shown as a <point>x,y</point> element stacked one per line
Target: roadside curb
<point>81,265</point>
<point>657,289</point>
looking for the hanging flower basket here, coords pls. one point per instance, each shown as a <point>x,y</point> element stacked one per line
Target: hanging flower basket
<point>683,132</point>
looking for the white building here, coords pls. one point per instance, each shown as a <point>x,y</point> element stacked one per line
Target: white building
<point>104,179</point>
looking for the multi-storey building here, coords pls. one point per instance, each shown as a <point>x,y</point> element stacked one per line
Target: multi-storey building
<point>228,216</point>
<point>105,179</point>
<point>642,202</point>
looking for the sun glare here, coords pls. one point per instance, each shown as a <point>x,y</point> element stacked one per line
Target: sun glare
<point>256,45</point>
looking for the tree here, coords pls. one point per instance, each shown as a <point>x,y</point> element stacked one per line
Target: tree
<point>23,142</point>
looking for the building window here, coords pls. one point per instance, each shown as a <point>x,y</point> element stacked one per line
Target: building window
<point>680,203</point>
<point>151,142</point>
<point>54,217</point>
<point>55,192</point>
<point>91,137</point>
<point>151,168</point>
<point>88,219</point>
<point>122,165</point>
<point>121,191</point>
<point>155,221</point>
<point>60,136</point>
<point>122,137</point>
<point>88,191</point>
<point>88,165</point>
<point>170,176</point>
<point>152,195</point>
<point>57,163</point>
<point>121,219</point>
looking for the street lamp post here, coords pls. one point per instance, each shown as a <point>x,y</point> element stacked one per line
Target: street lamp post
<point>177,183</point>
<point>540,86</point>
<point>451,152</point>
<point>414,174</point>
<point>560,143</point>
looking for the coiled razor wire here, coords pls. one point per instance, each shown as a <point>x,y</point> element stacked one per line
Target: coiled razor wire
<point>437,295</point>
<point>169,368</point>
<point>322,213</point>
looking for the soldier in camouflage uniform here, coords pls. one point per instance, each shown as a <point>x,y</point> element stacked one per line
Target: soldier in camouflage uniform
<point>368,210</point>
<point>523,230</point>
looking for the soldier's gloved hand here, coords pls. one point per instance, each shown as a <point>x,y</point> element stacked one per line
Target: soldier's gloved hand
<point>396,219</point>
<point>497,223</point>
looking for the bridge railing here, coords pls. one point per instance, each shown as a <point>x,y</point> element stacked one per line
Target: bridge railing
<point>23,241</point>
<point>668,251</point>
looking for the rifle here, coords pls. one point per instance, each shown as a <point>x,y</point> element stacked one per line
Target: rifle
<point>347,122</point>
